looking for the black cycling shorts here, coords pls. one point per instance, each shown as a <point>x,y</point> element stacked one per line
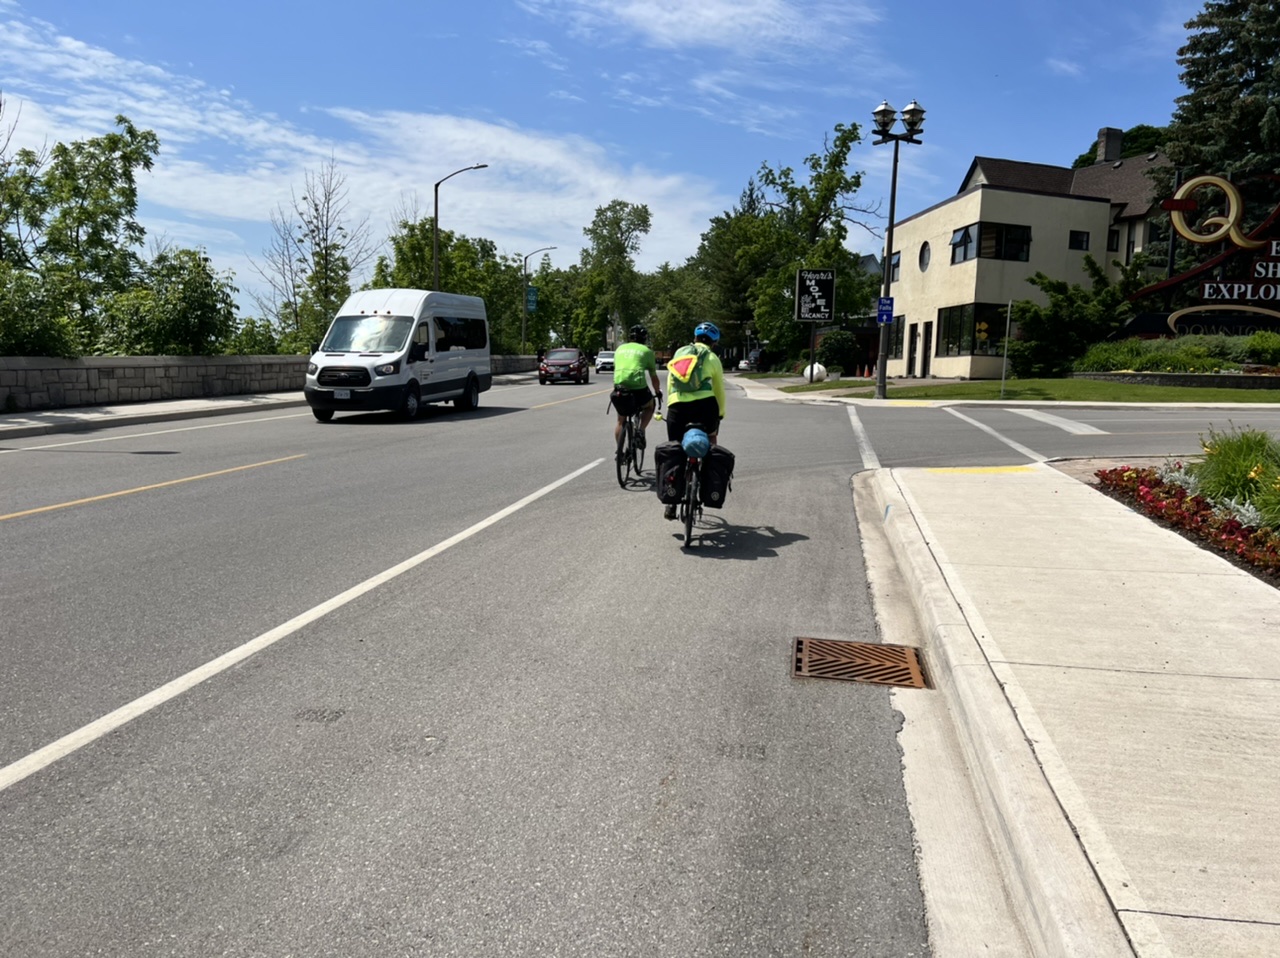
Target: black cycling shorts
<point>703,413</point>
<point>628,401</point>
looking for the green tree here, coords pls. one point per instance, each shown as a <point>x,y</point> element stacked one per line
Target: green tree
<point>785,225</point>
<point>1051,337</point>
<point>29,323</point>
<point>314,252</point>
<point>1138,141</point>
<point>609,297</point>
<point>181,307</point>
<point>1228,123</point>
<point>680,298</point>
<point>69,217</point>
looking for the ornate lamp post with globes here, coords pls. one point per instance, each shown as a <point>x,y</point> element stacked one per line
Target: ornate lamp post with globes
<point>885,117</point>
<point>435,225</point>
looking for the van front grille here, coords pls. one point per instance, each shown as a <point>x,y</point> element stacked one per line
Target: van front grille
<point>343,376</point>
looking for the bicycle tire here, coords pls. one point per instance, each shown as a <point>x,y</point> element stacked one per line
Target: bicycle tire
<point>622,457</point>
<point>690,502</point>
<point>637,451</point>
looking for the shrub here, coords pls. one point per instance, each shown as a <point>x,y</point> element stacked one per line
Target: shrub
<point>1263,347</point>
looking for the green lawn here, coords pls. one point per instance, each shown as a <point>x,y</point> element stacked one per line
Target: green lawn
<point>1051,390</point>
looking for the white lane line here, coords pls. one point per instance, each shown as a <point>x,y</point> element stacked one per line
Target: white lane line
<point>869,458</point>
<point>1017,446</point>
<point>1066,425</point>
<point>95,730</point>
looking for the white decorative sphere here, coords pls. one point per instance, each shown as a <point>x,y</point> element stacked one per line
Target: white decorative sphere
<point>817,372</point>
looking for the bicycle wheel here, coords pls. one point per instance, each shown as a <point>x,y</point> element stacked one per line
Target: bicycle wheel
<point>636,449</point>
<point>622,457</point>
<point>690,501</point>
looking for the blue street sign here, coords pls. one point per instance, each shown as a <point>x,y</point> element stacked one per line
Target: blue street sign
<point>531,299</point>
<point>884,311</point>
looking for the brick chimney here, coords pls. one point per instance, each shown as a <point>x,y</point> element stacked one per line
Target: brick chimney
<point>1110,142</point>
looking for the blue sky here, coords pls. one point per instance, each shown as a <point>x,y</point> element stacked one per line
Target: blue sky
<point>572,103</point>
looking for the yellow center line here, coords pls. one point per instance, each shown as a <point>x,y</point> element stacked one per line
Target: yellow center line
<point>158,485</point>
<point>598,392</point>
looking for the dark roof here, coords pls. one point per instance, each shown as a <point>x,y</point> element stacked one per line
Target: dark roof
<point>1014,174</point>
<point>1124,182</point>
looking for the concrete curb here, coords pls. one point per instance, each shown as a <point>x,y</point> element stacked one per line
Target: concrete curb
<point>1058,898</point>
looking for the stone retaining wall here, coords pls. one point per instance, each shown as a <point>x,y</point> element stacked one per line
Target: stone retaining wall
<point>1219,380</point>
<point>36,382</point>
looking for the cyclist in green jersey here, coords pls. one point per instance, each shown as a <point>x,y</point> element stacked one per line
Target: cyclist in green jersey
<point>631,362</point>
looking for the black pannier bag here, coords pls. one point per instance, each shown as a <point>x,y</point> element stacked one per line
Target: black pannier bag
<point>669,461</point>
<point>717,468</point>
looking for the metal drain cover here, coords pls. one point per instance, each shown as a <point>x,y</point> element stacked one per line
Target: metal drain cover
<point>858,662</point>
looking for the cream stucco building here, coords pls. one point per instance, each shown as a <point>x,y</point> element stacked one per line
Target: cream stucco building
<point>958,265</point>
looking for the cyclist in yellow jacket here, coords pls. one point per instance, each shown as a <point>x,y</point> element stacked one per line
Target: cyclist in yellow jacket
<point>695,389</point>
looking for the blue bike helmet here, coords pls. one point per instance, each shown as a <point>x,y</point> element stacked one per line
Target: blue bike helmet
<point>696,443</point>
<point>708,330</point>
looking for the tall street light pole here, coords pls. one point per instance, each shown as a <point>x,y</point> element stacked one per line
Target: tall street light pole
<point>885,117</point>
<point>435,225</point>
<point>525,273</point>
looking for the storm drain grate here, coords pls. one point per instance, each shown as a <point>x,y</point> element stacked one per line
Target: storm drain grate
<point>859,662</point>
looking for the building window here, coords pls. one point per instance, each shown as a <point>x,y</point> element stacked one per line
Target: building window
<point>924,256</point>
<point>1113,241</point>
<point>895,337</point>
<point>1078,239</point>
<point>895,267</point>
<point>963,245</point>
<point>991,241</point>
<point>1003,241</point>
<point>975,329</point>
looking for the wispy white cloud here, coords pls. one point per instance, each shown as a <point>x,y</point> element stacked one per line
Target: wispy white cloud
<point>538,50</point>
<point>765,29</point>
<point>1062,67</point>
<point>224,166</point>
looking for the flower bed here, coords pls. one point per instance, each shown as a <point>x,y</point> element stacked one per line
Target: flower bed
<point>1167,496</point>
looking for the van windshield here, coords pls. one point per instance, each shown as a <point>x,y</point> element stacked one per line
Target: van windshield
<point>367,334</point>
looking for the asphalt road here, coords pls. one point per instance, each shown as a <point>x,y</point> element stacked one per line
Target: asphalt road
<point>473,698</point>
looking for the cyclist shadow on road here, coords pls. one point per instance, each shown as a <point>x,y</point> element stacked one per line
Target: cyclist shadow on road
<point>716,538</point>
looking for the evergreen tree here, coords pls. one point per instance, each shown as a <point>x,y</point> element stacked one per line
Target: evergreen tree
<point>1227,122</point>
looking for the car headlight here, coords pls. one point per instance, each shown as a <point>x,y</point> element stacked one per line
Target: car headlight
<point>387,369</point>
<point>312,369</point>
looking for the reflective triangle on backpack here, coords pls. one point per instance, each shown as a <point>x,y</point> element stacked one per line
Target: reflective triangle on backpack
<point>684,368</point>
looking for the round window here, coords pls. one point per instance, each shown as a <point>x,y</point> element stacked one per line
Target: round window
<point>924,257</point>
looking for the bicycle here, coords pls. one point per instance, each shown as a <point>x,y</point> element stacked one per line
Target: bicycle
<point>630,454</point>
<point>690,507</point>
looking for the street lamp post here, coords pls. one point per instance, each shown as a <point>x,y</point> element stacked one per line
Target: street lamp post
<point>885,117</point>
<point>435,225</point>
<point>525,273</point>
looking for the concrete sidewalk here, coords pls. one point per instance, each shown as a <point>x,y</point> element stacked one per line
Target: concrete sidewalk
<point>1117,691</point>
<point>81,418</point>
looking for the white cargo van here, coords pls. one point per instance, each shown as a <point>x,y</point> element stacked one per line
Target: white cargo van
<point>400,348</point>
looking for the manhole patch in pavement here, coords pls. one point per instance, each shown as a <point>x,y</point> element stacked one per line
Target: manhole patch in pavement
<point>897,665</point>
<point>323,715</point>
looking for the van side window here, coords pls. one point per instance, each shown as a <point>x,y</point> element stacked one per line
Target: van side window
<point>444,334</point>
<point>476,337</point>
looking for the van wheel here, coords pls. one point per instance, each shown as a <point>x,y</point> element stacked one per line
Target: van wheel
<point>470,397</point>
<point>410,404</point>
<point>322,415</point>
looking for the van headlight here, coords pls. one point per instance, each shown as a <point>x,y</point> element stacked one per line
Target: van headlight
<point>312,368</point>
<point>387,369</point>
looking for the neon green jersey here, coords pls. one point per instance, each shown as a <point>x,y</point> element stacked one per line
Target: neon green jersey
<point>632,362</point>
